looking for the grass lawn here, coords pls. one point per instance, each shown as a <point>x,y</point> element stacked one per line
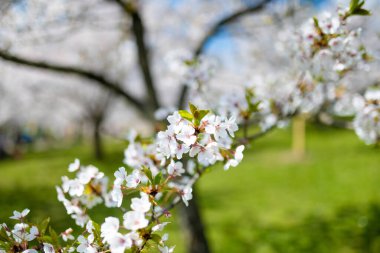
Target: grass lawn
<point>272,202</point>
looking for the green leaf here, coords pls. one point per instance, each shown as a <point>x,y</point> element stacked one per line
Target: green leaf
<point>156,238</point>
<point>254,107</point>
<point>354,4</point>
<point>362,12</point>
<point>148,173</point>
<point>54,236</point>
<point>43,225</point>
<point>3,235</point>
<point>47,238</point>
<point>186,115</point>
<point>356,8</point>
<point>203,113</point>
<point>193,108</point>
<point>157,179</point>
<point>197,122</point>
<point>316,22</point>
<point>96,229</point>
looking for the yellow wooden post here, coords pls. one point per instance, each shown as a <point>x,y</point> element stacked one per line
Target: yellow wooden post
<point>299,136</point>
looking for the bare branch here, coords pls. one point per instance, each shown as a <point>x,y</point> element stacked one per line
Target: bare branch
<point>138,29</point>
<point>212,32</point>
<point>100,79</point>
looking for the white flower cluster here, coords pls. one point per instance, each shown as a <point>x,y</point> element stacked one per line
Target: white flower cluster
<point>247,106</point>
<point>308,96</point>
<point>367,120</point>
<point>133,221</point>
<point>24,234</point>
<point>86,244</point>
<point>205,142</point>
<point>86,190</point>
<point>327,48</point>
<point>344,102</point>
<point>209,141</point>
<point>194,71</point>
<point>200,138</point>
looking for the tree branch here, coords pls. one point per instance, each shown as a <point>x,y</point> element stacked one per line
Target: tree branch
<point>100,79</point>
<point>212,32</point>
<point>138,29</point>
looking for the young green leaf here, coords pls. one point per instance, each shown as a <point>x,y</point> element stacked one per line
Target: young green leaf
<point>193,108</point>
<point>43,225</point>
<point>362,12</point>
<point>354,4</point>
<point>148,173</point>
<point>54,236</point>
<point>157,179</point>
<point>186,115</point>
<point>356,9</point>
<point>3,235</point>
<point>47,239</point>
<point>156,238</point>
<point>203,113</point>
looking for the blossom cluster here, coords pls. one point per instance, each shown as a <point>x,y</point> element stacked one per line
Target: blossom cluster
<point>166,168</point>
<point>26,237</point>
<point>326,50</point>
<point>88,189</point>
<point>161,172</point>
<point>367,120</point>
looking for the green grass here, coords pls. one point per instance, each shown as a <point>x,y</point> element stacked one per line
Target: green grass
<point>271,199</point>
<point>272,187</point>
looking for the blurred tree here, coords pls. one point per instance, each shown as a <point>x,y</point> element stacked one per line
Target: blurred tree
<point>120,37</point>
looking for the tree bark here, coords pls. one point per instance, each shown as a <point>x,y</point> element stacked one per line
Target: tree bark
<point>192,225</point>
<point>138,29</point>
<point>97,142</point>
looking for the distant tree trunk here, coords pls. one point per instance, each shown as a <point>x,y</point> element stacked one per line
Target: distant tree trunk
<point>299,136</point>
<point>192,225</point>
<point>97,141</point>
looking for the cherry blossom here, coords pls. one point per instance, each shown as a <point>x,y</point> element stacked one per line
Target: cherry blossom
<point>74,166</point>
<point>20,216</point>
<point>175,168</point>
<point>141,204</point>
<point>48,248</point>
<point>134,220</point>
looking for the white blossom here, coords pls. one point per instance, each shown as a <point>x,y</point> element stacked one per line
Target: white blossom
<point>134,220</point>
<point>48,248</point>
<point>142,204</point>
<point>20,216</point>
<point>186,195</point>
<point>175,168</point>
<point>74,166</point>
<point>237,158</point>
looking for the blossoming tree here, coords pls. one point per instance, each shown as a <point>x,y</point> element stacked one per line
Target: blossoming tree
<point>163,170</point>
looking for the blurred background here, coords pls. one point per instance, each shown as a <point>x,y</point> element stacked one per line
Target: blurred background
<point>76,76</point>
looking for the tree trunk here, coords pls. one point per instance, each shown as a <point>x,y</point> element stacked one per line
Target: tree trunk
<point>97,142</point>
<point>299,136</point>
<point>192,225</point>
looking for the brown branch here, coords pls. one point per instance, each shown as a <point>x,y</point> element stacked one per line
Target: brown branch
<point>138,29</point>
<point>212,32</point>
<point>260,134</point>
<point>71,70</point>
